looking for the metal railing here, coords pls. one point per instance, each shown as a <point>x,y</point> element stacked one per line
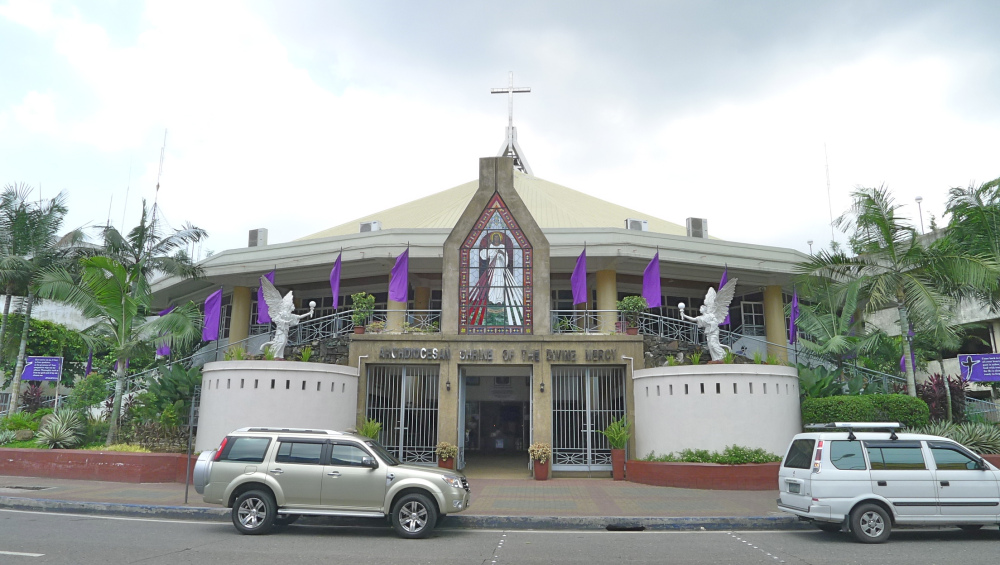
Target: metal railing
<point>587,321</point>
<point>989,411</point>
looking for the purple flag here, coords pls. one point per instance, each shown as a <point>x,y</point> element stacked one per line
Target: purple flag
<point>579,279</point>
<point>793,318</point>
<point>90,362</point>
<point>263,316</point>
<point>722,283</point>
<point>651,282</point>
<point>213,313</point>
<point>398,283</point>
<point>164,348</point>
<point>115,368</point>
<point>335,282</point>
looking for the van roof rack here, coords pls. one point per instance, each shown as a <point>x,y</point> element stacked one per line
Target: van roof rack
<point>851,426</point>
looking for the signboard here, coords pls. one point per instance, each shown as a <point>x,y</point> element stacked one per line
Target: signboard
<point>980,367</point>
<point>42,369</point>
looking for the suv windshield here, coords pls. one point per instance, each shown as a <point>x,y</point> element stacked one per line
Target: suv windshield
<point>382,452</point>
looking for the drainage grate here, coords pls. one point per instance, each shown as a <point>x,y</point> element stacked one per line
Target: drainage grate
<point>625,528</point>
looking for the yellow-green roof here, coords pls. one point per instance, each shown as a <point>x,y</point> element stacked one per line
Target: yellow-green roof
<point>552,205</point>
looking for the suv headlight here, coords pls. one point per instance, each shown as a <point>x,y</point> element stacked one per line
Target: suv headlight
<point>453,481</point>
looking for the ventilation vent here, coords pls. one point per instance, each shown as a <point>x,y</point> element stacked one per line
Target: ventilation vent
<point>637,225</point>
<point>697,227</point>
<point>373,225</point>
<point>258,238</point>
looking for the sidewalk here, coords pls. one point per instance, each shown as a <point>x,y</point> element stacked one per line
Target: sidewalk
<point>498,503</point>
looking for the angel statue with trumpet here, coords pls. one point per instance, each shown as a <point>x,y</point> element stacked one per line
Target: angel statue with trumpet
<point>713,312</point>
<point>281,311</point>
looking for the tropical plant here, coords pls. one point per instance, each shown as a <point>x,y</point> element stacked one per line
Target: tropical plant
<point>819,382</point>
<point>174,389</point>
<point>63,431</point>
<point>631,307</point>
<point>370,428</point>
<point>364,305</point>
<point>893,268</point>
<point>974,226</point>
<point>124,448</point>
<point>6,436</point>
<point>729,357</point>
<point>118,297</point>
<point>18,421</point>
<point>540,451</point>
<point>618,432</point>
<point>31,400</point>
<point>773,359</point>
<point>306,354</point>
<point>375,327</point>
<point>731,455</point>
<point>47,339</point>
<point>235,353</point>
<point>938,392</point>
<point>758,358</point>
<point>695,358</point>
<point>672,361</point>
<point>445,450</point>
<point>89,391</point>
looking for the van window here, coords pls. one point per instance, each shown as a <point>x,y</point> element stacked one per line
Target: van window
<point>952,460</point>
<point>800,454</point>
<point>847,455</point>
<point>245,449</point>
<point>896,458</point>
<point>298,452</point>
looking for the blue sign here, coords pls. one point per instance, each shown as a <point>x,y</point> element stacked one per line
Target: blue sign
<point>980,367</point>
<point>42,369</point>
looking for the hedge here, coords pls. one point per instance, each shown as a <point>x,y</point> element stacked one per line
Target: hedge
<point>907,410</point>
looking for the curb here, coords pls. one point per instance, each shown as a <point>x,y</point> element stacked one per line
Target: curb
<point>550,523</point>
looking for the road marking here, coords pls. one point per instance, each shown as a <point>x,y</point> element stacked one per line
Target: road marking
<point>20,554</point>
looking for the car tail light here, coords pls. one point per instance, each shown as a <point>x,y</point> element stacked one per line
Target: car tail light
<point>819,456</point>
<point>218,452</point>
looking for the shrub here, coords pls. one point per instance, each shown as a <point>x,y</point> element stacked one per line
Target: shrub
<point>933,392</point>
<point>123,448</point>
<point>980,437</point>
<point>370,428</point>
<point>306,354</point>
<point>89,391</point>
<point>31,400</point>
<point>95,430</point>
<point>617,433</point>
<point>909,411</point>
<point>731,455</point>
<point>155,436</point>
<point>235,353</point>
<point>62,432</point>
<point>695,358</point>
<point>540,452</point>
<point>19,421</point>
<point>446,450</point>
<point>6,436</point>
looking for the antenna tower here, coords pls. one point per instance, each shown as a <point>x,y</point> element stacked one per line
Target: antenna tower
<point>152,220</point>
<point>829,199</point>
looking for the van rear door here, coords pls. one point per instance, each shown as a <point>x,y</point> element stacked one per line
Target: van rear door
<point>795,473</point>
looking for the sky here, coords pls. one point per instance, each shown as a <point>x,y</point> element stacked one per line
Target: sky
<point>300,115</point>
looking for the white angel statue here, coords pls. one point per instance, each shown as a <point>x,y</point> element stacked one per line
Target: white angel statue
<point>713,313</point>
<point>281,312</point>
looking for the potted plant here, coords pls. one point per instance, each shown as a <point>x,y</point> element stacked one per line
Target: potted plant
<point>631,307</point>
<point>364,305</point>
<point>618,433</point>
<point>540,454</point>
<point>446,452</point>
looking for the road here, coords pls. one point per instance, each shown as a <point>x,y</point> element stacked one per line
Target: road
<point>31,538</point>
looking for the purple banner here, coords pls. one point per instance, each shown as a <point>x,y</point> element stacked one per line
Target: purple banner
<point>164,348</point>
<point>398,283</point>
<point>579,279</point>
<point>722,283</point>
<point>793,317</point>
<point>984,367</point>
<point>42,369</point>
<point>90,362</point>
<point>213,313</point>
<point>263,315</point>
<point>335,282</point>
<point>651,282</point>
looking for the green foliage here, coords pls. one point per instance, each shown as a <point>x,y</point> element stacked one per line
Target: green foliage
<point>370,428</point>
<point>95,430</point>
<point>6,436</point>
<point>364,305</point>
<point>933,392</point>
<point>731,455</point>
<point>618,433</point>
<point>980,437</point>
<point>729,357</point>
<point>306,354</point>
<point>235,353</point>
<point>695,358</point>
<point>19,421</point>
<point>268,354</point>
<point>631,307</point>
<point>89,391</point>
<point>758,358</point>
<point>63,431</point>
<point>909,411</point>
<point>819,382</point>
<point>156,436</point>
<point>47,339</point>
<point>672,361</point>
<point>122,448</point>
<point>773,359</point>
<point>173,391</point>
<point>446,450</point>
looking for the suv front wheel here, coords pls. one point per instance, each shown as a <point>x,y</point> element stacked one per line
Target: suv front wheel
<point>414,516</point>
<point>254,512</point>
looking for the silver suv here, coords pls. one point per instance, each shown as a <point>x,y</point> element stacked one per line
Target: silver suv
<point>868,482</point>
<point>271,476</point>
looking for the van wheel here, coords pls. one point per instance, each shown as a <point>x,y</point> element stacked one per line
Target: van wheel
<point>414,516</point>
<point>828,527</point>
<point>870,524</point>
<point>254,512</point>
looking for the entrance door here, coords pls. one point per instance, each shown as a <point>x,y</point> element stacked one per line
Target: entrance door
<point>463,429</point>
<point>405,400</point>
<point>584,401</point>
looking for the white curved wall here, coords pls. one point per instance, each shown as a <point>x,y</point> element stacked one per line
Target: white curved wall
<point>763,411</point>
<point>236,394</point>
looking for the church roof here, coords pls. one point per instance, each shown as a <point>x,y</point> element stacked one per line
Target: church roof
<point>551,204</point>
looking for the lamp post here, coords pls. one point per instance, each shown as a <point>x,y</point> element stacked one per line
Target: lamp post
<point>920,211</point>
<point>810,242</point>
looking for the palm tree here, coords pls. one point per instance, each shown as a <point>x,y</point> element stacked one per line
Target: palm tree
<point>830,320</point>
<point>893,268</point>
<point>154,252</point>
<point>118,297</point>
<point>975,223</point>
<point>30,244</point>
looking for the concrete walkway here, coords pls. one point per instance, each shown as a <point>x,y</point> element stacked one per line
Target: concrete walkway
<point>503,503</point>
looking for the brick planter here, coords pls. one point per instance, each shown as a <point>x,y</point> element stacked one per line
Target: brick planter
<point>994,459</point>
<point>763,476</point>
<point>94,465</point>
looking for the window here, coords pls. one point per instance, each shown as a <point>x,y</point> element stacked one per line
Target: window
<point>847,455</point>
<point>896,457</point>
<point>248,449</point>
<point>347,454</point>
<point>753,318</point>
<point>298,452</point>
<point>800,454</point>
<point>949,459</point>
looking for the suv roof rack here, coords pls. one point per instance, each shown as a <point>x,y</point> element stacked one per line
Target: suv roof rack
<point>851,426</point>
<point>289,430</point>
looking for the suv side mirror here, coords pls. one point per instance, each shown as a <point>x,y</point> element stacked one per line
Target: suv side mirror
<point>981,465</point>
<point>369,462</point>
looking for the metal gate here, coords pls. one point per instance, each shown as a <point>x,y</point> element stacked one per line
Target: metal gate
<point>405,400</point>
<point>584,401</point>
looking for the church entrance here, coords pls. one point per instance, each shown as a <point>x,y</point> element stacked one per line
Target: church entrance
<point>497,421</point>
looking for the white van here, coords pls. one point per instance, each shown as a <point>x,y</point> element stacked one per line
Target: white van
<point>868,482</point>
